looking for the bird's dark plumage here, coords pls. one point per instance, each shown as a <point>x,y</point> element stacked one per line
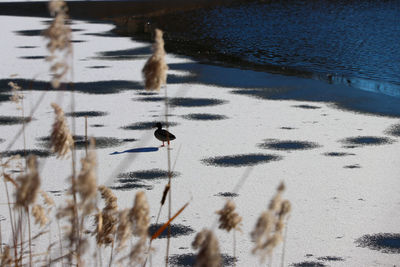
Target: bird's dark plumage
<point>163,135</point>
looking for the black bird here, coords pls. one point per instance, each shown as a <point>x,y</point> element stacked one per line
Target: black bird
<point>163,135</point>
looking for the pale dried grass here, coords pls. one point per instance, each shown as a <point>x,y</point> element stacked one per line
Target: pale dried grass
<point>28,185</point>
<point>268,232</point>
<point>59,37</point>
<point>229,219</point>
<point>61,138</point>
<point>155,69</point>
<point>209,254</point>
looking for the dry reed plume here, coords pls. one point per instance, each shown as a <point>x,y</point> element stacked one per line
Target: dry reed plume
<point>61,138</point>
<point>59,41</point>
<point>16,95</point>
<point>39,214</point>
<point>140,220</point>
<point>155,69</point>
<point>107,219</point>
<point>268,232</point>
<point>124,230</point>
<point>86,184</point>
<point>28,185</point>
<point>229,219</point>
<point>209,254</point>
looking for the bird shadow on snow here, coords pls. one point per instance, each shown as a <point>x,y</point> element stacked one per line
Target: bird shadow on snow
<point>137,150</point>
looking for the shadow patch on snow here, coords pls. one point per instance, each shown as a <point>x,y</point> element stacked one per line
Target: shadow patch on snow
<point>78,41</point>
<point>204,117</point>
<point>150,98</point>
<point>96,87</point>
<point>131,186</point>
<point>26,46</point>
<point>189,259</point>
<point>383,242</point>
<point>308,264</point>
<point>49,22</point>
<point>227,194</point>
<point>358,141</point>
<point>98,67</point>
<point>353,166</point>
<point>125,54</point>
<point>96,125</point>
<point>36,152</point>
<point>393,130</point>
<point>29,32</point>
<point>287,128</point>
<point>338,154</point>
<point>57,193</point>
<point>1,140</point>
<point>153,174</point>
<point>36,32</point>
<point>176,230</point>
<point>80,142</point>
<point>86,114</point>
<point>102,34</point>
<point>129,140</point>
<point>195,102</point>
<point>145,93</point>
<point>10,120</point>
<point>138,179</point>
<point>185,101</point>
<point>330,258</point>
<point>306,106</point>
<point>288,145</point>
<point>147,125</point>
<point>240,160</point>
<point>33,57</point>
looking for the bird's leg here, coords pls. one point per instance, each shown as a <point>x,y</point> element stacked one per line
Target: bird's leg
<point>162,143</point>
<point>168,141</point>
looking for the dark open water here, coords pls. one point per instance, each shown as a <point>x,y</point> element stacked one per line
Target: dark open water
<point>352,42</point>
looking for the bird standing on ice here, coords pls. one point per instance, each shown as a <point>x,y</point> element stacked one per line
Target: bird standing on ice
<point>163,135</point>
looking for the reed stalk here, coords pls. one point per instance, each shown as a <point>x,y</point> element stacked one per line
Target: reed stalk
<point>29,235</point>
<point>11,219</point>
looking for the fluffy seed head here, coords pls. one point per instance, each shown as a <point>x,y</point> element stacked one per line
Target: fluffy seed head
<point>107,220</point>
<point>275,203</point>
<point>286,207</point>
<point>86,182</point>
<point>124,228</point>
<point>138,252</point>
<point>16,96</point>
<point>59,41</point>
<point>28,185</point>
<point>263,227</point>
<point>268,232</point>
<point>229,219</point>
<point>47,199</point>
<point>61,138</point>
<point>281,187</point>
<point>40,215</point>
<point>139,215</point>
<point>209,254</point>
<point>155,69</point>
